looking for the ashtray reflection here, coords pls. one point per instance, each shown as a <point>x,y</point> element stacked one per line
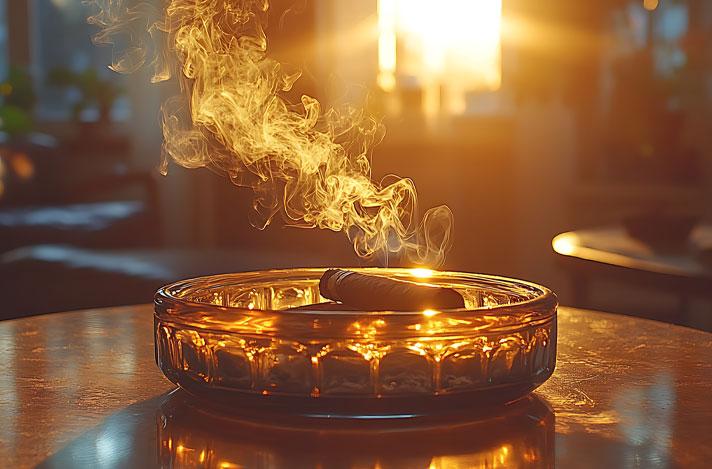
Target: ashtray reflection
<point>194,433</point>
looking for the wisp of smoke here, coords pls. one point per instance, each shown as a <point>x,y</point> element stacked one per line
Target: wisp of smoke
<point>312,166</point>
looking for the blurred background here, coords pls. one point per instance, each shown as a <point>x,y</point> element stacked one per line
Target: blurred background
<point>529,119</point>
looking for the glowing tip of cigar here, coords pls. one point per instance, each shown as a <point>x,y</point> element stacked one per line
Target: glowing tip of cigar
<point>430,312</point>
<point>421,273</point>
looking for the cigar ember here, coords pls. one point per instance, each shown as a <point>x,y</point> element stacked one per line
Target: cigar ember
<point>373,292</point>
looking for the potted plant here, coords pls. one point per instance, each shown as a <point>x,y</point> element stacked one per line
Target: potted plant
<point>94,90</point>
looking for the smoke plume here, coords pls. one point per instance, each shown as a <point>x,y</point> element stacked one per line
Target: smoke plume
<point>311,166</point>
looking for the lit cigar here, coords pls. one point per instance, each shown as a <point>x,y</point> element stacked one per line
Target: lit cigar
<point>376,293</point>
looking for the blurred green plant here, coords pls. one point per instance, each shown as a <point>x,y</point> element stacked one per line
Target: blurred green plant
<point>18,100</point>
<point>93,89</point>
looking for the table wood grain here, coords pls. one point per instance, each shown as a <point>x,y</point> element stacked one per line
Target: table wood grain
<point>81,389</point>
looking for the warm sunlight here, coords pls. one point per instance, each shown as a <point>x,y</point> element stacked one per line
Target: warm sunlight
<point>448,50</point>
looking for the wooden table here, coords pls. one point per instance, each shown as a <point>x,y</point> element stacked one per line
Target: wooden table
<point>610,253</point>
<point>81,389</point>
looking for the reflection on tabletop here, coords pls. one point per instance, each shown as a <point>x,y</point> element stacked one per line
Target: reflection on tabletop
<point>187,434</point>
<point>82,389</point>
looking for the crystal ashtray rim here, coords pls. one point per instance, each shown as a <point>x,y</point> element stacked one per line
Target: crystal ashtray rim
<point>545,300</point>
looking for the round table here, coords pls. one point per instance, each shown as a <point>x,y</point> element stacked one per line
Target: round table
<point>81,389</point>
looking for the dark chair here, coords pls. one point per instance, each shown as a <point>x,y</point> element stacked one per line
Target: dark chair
<point>46,222</point>
<point>98,224</point>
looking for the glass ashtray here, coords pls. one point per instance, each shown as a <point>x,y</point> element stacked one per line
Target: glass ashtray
<point>232,339</point>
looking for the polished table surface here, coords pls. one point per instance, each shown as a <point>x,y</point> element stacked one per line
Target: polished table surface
<point>81,389</point>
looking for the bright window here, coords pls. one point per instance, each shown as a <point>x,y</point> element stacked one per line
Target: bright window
<point>447,48</point>
<point>61,39</point>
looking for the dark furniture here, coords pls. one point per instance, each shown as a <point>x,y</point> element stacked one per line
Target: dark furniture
<point>611,254</point>
<point>49,248</point>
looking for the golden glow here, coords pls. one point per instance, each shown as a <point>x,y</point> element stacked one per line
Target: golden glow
<point>229,465</point>
<point>421,273</point>
<point>450,49</point>
<point>430,312</point>
<point>387,45</point>
<point>22,165</point>
<point>498,457</point>
<point>563,245</point>
<point>650,5</point>
<point>369,350</point>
